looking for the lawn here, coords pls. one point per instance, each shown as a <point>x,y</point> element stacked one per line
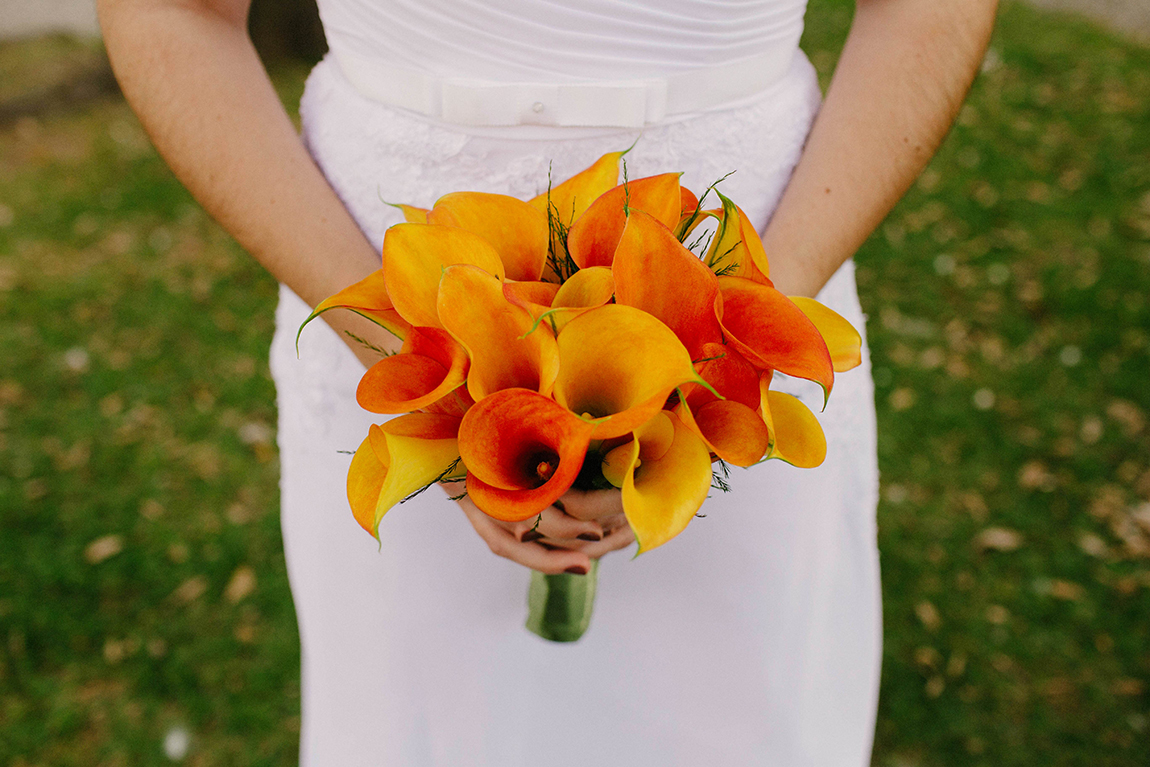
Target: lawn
<point>143,597</point>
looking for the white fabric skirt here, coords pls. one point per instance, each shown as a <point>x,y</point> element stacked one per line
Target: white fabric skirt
<point>751,639</point>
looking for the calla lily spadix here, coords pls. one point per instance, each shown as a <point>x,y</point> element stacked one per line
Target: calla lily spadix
<point>664,480</point>
<point>617,366</point>
<point>430,366</point>
<point>414,256</point>
<point>397,459</point>
<point>495,333</point>
<point>522,451</point>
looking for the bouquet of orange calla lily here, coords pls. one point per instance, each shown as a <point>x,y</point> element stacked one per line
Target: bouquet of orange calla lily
<point>575,340</point>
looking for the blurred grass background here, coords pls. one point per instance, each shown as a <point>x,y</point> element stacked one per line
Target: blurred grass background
<point>143,600</point>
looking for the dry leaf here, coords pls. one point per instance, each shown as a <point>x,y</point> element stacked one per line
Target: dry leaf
<point>998,539</point>
<point>242,584</point>
<point>191,589</point>
<point>928,614</point>
<point>102,548</point>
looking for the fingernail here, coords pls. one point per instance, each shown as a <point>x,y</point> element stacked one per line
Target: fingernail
<point>589,537</point>
<point>531,535</point>
<point>559,505</point>
<point>576,570</point>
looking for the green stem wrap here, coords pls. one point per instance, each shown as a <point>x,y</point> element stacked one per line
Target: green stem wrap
<point>559,606</point>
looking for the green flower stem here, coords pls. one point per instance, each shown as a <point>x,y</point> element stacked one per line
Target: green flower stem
<point>559,606</point>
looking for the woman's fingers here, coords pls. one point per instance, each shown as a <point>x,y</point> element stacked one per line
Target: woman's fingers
<point>617,539</point>
<point>591,504</point>
<point>506,543</point>
<point>553,523</point>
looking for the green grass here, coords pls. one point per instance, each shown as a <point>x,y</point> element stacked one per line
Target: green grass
<point>1010,332</point>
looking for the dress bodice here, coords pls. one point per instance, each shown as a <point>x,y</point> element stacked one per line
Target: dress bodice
<point>558,40</point>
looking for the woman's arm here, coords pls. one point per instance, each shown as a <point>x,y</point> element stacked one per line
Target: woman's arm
<point>902,76</point>
<point>190,72</point>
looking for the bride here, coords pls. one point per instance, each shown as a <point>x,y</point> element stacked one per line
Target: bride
<point>754,639</point>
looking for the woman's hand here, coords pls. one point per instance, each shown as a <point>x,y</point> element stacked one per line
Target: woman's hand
<point>581,526</point>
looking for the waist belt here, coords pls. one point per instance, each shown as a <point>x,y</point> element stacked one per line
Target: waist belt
<point>599,103</point>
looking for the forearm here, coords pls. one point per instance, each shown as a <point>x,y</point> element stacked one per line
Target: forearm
<point>191,74</point>
<point>900,81</point>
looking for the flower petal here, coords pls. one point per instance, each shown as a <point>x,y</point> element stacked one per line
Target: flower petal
<point>772,332</point>
<point>728,373</point>
<point>429,367</point>
<point>618,365</point>
<point>587,288</point>
<point>737,249</point>
<point>496,334</point>
<point>535,297</point>
<point>397,459</point>
<point>367,298</point>
<point>414,256</point>
<point>655,273</point>
<point>661,495</point>
<point>411,214</point>
<point>522,451</point>
<point>731,430</point>
<point>518,231</point>
<point>570,199</point>
<point>843,341</point>
<point>595,235</point>
<point>798,437</point>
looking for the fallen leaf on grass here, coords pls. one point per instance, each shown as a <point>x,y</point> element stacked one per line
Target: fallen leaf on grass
<point>928,614</point>
<point>998,539</point>
<point>242,584</point>
<point>190,590</point>
<point>103,548</point>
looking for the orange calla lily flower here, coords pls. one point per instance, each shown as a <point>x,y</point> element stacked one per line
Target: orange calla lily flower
<point>617,366</point>
<point>688,204</point>
<point>594,237</point>
<point>664,481</point>
<point>496,334</point>
<point>772,332</point>
<point>728,373</point>
<point>843,341</point>
<point>535,297</point>
<point>731,430</point>
<point>737,250</point>
<point>518,231</point>
<point>571,199</point>
<point>655,273</point>
<point>522,451</point>
<point>429,367</point>
<point>586,289</point>
<point>414,256</point>
<point>411,214</point>
<point>397,459</point>
<point>367,298</point>
<point>797,436</point>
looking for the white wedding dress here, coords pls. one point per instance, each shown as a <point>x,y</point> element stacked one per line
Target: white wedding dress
<point>754,638</point>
